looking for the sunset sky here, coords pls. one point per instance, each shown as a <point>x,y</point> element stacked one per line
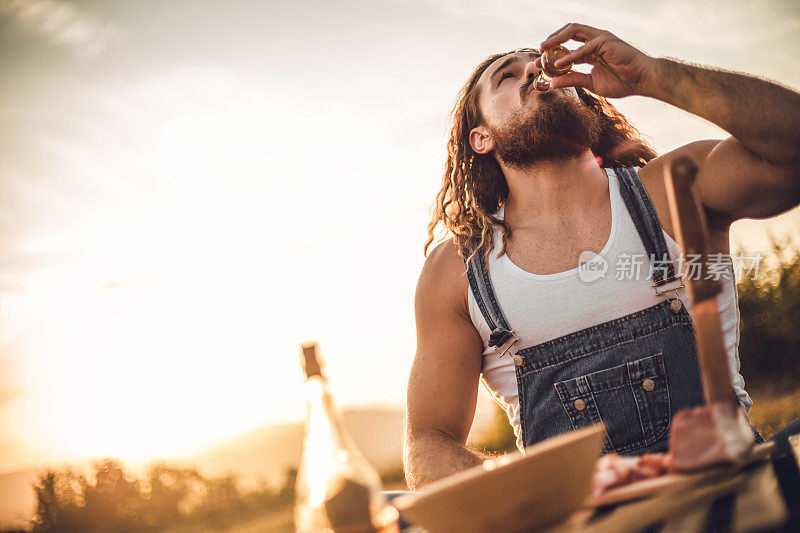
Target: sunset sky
<point>188,190</point>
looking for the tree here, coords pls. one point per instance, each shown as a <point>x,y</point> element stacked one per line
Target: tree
<point>769,345</point>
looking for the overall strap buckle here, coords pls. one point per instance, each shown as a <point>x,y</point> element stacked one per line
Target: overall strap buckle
<point>509,347</point>
<point>657,284</point>
<point>675,304</point>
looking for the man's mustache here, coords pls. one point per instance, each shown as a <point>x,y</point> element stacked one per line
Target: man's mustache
<point>523,91</point>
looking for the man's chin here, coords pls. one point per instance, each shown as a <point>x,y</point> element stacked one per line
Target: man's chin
<point>557,130</point>
<point>552,152</point>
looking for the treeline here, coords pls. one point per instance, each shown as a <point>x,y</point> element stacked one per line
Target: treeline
<point>769,344</point>
<point>166,498</point>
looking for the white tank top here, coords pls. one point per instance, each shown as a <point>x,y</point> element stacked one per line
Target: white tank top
<point>544,307</point>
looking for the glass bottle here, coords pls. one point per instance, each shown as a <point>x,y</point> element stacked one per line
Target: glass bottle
<point>550,71</point>
<point>336,489</point>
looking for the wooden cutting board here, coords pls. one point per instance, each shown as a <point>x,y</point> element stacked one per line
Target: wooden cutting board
<point>671,482</point>
<point>511,494</point>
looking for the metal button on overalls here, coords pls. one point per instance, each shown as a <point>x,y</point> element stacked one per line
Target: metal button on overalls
<point>648,385</point>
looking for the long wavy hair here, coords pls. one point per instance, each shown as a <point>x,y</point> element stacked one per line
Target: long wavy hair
<point>474,186</point>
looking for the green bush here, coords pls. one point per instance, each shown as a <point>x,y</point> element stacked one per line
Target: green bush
<point>769,344</point>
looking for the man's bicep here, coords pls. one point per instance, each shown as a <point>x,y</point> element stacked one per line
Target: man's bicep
<point>734,181</point>
<point>443,385</point>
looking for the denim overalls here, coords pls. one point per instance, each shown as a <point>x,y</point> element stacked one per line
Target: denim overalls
<point>632,373</point>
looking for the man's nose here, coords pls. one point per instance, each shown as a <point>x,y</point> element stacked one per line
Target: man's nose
<point>530,72</point>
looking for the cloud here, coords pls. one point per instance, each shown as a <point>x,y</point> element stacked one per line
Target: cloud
<point>531,14</point>
<point>63,23</point>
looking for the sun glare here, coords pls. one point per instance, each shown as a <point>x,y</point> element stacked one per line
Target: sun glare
<point>147,332</point>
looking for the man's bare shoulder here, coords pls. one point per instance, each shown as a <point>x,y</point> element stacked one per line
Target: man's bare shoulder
<point>443,276</point>
<point>444,261</point>
<point>652,177</point>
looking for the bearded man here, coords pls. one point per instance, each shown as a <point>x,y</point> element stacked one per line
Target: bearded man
<point>549,196</point>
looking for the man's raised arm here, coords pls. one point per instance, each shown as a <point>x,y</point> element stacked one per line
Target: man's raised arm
<point>754,173</point>
<point>443,385</point>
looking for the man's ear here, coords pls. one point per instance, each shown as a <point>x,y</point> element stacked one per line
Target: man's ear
<point>480,140</point>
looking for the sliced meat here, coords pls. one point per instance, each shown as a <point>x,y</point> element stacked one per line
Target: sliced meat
<point>702,437</point>
<point>613,470</point>
<point>710,435</point>
<point>652,465</point>
<point>658,461</point>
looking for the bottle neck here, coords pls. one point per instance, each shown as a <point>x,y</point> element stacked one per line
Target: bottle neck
<point>324,417</point>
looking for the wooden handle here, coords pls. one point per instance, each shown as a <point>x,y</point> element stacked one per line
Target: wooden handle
<point>691,228</point>
<point>691,232</point>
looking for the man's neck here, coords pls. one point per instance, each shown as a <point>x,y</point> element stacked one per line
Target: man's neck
<point>552,193</point>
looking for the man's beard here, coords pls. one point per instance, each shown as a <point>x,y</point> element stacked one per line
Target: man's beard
<point>560,128</point>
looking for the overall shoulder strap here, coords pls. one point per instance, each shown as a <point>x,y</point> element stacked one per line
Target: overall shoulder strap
<point>647,225</point>
<point>481,286</point>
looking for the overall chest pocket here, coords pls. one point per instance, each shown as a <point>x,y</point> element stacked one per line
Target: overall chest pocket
<point>632,400</point>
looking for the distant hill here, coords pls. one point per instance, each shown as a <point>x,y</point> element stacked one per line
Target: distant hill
<point>267,452</point>
<point>16,498</point>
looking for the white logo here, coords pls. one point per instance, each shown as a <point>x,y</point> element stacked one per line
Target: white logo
<point>591,266</point>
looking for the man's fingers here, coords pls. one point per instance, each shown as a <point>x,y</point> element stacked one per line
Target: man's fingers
<point>574,31</point>
<point>573,79</point>
<point>582,52</point>
<point>557,31</point>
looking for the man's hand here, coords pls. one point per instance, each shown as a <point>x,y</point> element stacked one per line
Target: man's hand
<point>619,68</point>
